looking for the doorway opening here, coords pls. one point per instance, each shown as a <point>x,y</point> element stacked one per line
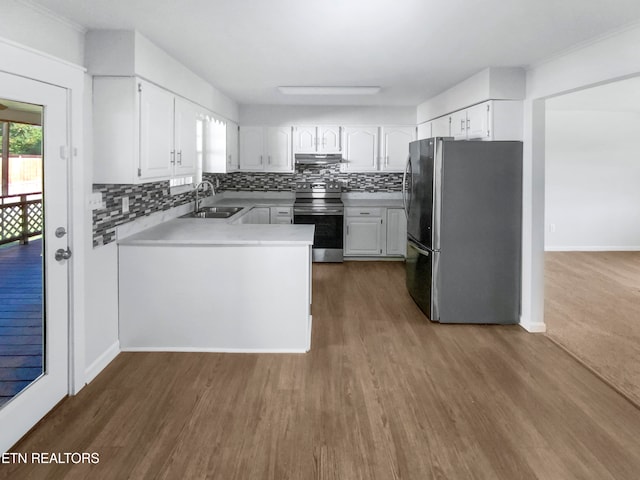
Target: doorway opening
<point>592,229</point>
<point>21,263</point>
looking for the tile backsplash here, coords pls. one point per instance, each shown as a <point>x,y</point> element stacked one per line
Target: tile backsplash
<point>269,182</point>
<point>148,198</point>
<point>144,199</point>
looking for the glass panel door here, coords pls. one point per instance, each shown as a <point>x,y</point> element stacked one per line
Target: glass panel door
<point>21,267</point>
<point>33,254</point>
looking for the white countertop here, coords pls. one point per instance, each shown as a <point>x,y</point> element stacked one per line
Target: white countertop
<point>197,231</point>
<point>385,200</point>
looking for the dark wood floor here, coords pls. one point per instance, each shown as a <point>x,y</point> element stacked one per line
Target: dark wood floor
<point>20,317</point>
<point>384,394</point>
<point>592,308</point>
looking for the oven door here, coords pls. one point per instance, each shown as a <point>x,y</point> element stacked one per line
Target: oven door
<point>328,235</point>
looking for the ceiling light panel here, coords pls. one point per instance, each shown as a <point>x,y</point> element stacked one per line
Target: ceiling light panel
<point>308,90</point>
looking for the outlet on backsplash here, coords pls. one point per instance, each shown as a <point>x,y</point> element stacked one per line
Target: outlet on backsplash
<point>125,204</point>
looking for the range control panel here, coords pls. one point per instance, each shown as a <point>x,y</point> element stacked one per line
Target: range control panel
<point>328,187</point>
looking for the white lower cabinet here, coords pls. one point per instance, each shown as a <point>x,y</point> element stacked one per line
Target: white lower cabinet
<point>255,215</point>
<point>363,236</point>
<point>375,232</point>
<point>396,232</point>
<point>281,215</point>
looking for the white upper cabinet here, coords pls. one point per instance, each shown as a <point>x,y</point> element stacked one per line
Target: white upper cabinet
<point>395,147</point>
<point>252,140</point>
<point>157,153</point>
<point>266,149</point>
<point>233,161</point>
<point>304,139</point>
<point>142,133</point>
<point>479,121</point>
<point>278,149</point>
<point>329,139</point>
<point>424,130</point>
<point>185,117</point>
<point>491,120</point>
<point>441,126</point>
<point>458,122</point>
<point>361,149</point>
<point>317,139</point>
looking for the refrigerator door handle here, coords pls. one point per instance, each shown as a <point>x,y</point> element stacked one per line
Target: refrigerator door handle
<point>404,187</point>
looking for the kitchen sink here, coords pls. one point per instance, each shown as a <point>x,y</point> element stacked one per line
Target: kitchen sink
<point>213,212</point>
<point>230,210</point>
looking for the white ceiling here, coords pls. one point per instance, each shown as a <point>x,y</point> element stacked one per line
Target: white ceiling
<point>413,49</point>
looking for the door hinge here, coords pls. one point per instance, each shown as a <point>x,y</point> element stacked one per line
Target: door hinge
<point>139,172</point>
<point>380,251</point>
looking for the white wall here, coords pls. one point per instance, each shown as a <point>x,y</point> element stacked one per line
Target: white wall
<point>592,198</point>
<point>325,115</point>
<point>609,58</point>
<point>33,26</point>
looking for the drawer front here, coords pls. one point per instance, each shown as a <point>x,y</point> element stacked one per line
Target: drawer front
<point>281,211</point>
<point>363,211</point>
<point>281,215</point>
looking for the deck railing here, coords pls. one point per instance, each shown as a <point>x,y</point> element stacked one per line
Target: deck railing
<point>20,217</point>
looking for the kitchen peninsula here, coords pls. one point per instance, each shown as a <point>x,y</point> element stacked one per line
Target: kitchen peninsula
<point>202,285</point>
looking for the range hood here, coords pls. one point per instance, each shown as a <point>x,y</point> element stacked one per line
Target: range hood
<point>310,159</point>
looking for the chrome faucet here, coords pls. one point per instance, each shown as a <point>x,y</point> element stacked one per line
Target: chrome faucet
<point>206,183</point>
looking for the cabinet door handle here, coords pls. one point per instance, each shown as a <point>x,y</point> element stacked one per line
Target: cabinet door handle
<point>260,159</point>
<point>347,229</point>
<point>269,160</point>
<point>365,213</point>
<point>173,157</point>
<point>468,123</point>
<point>179,157</point>
<point>462,125</point>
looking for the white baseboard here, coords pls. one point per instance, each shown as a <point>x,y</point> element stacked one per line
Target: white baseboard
<point>101,362</point>
<point>594,248</point>
<point>214,350</point>
<point>536,327</point>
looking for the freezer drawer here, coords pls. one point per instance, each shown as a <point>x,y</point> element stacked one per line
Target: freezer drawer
<point>421,264</point>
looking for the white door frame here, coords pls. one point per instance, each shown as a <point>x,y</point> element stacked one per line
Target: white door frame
<point>26,62</point>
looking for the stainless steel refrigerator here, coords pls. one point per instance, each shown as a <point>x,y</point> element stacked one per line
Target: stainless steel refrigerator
<point>463,201</point>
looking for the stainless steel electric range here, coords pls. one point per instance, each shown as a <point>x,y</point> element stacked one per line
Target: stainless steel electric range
<point>320,204</point>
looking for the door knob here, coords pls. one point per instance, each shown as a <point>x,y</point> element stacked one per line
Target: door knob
<point>63,254</point>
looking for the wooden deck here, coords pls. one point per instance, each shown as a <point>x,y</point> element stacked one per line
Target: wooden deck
<point>20,317</point>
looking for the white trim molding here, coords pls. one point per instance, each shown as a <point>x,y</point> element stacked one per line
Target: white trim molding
<point>101,362</point>
<point>533,327</point>
<point>213,350</point>
<point>594,248</point>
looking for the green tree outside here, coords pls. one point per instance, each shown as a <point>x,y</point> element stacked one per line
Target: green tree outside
<point>25,139</point>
